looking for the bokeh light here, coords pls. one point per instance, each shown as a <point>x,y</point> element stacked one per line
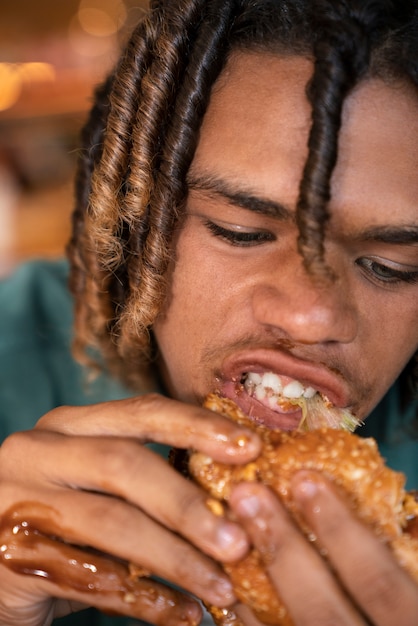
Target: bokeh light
<point>13,77</point>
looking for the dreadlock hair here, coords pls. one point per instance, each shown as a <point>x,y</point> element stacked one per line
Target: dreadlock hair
<point>140,139</point>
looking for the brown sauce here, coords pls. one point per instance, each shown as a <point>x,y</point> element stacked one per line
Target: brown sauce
<point>29,546</point>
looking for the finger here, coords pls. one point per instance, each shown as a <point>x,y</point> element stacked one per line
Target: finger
<point>65,607</point>
<point>24,604</point>
<point>142,541</point>
<point>128,470</point>
<point>245,617</point>
<point>367,567</point>
<point>304,582</point>
<point>162,420</point>
<point>80,579</point>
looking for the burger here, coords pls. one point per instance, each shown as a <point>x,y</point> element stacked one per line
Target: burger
<point>374,491</point>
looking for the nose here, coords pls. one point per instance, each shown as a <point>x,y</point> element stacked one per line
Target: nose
<point>304,310</point>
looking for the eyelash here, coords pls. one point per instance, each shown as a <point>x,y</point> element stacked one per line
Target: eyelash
<point>239,238</point>
<point>372,267</point>
<point>391,276</point>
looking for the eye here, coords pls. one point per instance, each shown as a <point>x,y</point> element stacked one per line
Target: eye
<point>385,273</point>
<point>240,237</point>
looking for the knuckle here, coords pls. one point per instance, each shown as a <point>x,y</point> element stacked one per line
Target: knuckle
<point>182,569</point>
<point>150,402</point>
<point>194,518</point>
<point>122,459</point>
<point>12,446</point>
<point>319,610</point>
<point>191,505</point>
<point>382,591</point>
<point>201,573</point>
<point>120,514</point>
<point>326,617</point>
<point>55,416</point>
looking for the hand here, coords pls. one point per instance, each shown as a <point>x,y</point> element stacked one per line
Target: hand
<point>81,497</point>
<point>368,587</point>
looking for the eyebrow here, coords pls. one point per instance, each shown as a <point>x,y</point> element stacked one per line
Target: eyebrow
<point>246,199</point>
<point>404,234</point>
<point>216,187</point>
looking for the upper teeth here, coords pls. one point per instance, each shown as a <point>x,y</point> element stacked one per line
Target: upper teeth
<point>268,384</point>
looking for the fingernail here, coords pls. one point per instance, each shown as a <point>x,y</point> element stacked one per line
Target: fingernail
<point>243,443</point>
<point>192,616</point>
<point>231,536</point>
<point>223,588</point>
<point>305,487</point>
<point>248,506</point>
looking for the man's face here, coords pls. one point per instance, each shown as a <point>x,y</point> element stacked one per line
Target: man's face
<point>241,304</point>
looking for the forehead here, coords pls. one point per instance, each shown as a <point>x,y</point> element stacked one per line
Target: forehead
<point>258,111</point>
<point>257,125</point>
<point>379,146</point>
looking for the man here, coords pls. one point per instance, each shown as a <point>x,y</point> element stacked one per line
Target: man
<point>199,262</point>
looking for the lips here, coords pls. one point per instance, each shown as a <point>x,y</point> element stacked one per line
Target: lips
<point>281,417</point>
<point>273,387</point>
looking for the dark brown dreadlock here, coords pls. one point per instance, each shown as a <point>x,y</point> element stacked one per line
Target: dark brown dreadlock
<point>143,129</point>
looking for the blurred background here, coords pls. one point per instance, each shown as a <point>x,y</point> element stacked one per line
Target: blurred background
<point>52,55</point>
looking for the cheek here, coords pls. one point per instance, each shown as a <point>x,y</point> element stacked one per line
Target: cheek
<point>193,314</point>
<point>196,290</point>
<point>205,285</point>
<point>393,346</point>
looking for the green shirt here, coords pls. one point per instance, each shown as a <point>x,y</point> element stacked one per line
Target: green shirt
<point>38,373</point>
